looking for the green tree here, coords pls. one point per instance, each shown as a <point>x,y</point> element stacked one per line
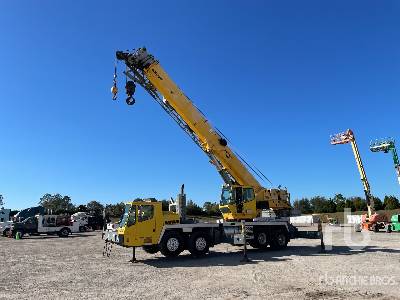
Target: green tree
<point>115,210</point>
<point>320,204</point>
<point>192,209</point>
<point>95,208</point>
<point>378,204</point>
<point>81,208</point>
<point>57,203</point>
<point>359,203</point>
<point>330,206</point>
<point>211,209</point>
<point>350,204</point>
<point>303,205</point>
<point>391,202</point>
<point>340,202</point>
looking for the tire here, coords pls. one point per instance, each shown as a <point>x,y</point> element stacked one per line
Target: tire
<point>82,228</point>
<point>172,244</point>
<point>199,244</point>
<point>389,228</point>
<point>279,241</point>
<point>260,240</point>
<point>153,249</point>
<point>64,232</point>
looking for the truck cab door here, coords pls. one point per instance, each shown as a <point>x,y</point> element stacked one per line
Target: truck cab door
<point>146,226</point>
<point>31,225</point>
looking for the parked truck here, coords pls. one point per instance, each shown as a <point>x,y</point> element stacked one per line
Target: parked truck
<point>45,224</point>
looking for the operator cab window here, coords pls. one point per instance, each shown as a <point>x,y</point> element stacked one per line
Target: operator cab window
<point>145,212</point>
<point>248,194</point>
<point>132,216</point>
<point>239,195</point>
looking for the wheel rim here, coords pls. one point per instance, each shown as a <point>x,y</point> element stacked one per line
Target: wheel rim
<point>173,244</point>
<point>201,243</point>
<point>262,238</point>
<point>281,239</point>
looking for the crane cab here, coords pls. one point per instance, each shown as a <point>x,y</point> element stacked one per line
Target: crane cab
<point>238,203</point>
<point>142,222</point>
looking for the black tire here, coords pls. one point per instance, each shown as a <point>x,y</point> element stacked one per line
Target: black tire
<point>199,244</point>
<point>172,244</point>
<point>260,240</point>
<point>279,240</point>
<point>64,232</point>
<point>82,228</point>
<point>153,249</point>
<point>389,228</point>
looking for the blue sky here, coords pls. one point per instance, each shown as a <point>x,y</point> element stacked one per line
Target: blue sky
<point>276,77</point>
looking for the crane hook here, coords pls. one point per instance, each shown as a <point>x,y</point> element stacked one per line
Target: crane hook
<point>130,88</point>
<point>114,88</point>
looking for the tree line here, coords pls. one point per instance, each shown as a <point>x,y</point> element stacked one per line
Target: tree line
<point>338,203</point>
<point>59,204</point>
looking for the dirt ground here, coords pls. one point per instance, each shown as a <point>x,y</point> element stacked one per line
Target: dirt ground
<point>74,268</point>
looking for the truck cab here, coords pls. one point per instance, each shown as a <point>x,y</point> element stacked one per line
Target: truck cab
<point>27,226</point>
<point>142,223</point>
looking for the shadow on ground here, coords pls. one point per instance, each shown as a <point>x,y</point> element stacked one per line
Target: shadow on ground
<point>255,256</point>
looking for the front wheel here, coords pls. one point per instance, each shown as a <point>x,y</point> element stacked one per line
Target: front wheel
<point>153,249</point>
<point>199,244</point>
<point>172,244</point>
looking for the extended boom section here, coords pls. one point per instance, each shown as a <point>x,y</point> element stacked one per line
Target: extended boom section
<point>243,197</point>
<point>348,137</point>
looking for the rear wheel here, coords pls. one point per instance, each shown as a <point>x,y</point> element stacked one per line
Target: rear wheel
<point>279,240</point>
<point>151,249</point>
<point>171,244</point>
<point>199,244</point>
<point>63,232</point>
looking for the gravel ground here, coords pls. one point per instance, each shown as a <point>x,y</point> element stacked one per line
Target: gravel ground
<point>50,267</point>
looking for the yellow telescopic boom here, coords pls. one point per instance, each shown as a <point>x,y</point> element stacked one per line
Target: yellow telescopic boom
<point>143,69</point>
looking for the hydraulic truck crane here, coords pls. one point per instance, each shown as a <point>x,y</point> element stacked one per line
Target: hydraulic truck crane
<point>371,221</point>
<point>243,197</point>
<point>245,203</point>
<point>387,145</point>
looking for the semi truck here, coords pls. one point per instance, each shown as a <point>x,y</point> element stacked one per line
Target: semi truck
<point>245,204</point>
